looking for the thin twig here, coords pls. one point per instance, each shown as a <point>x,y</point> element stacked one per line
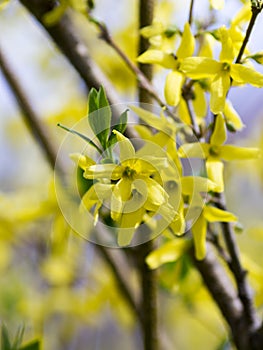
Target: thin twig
<point>142,79</point>
<point>188,95</point>
<point>213,238</point>
<point>255,12</point>
<point>148,276</point>
<point>195,127</point>
<point>244,290</point>
<point>191,12</point>
<point>146,11</point>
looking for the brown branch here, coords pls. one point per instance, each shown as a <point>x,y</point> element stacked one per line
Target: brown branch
<point>190,17</point>
<point>146,11</point>
<point>255,12</point>
<point>148,305</point>
<point>244,290</point>
<point>144,82</point>
<point>224,294</point>
<point>142,79</point>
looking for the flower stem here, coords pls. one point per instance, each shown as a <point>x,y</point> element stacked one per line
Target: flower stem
<point>255,12</point>
<point>191,12</point>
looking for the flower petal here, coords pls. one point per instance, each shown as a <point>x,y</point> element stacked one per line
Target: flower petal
<point>126,147</point>
<point>219,88</point>
<point>227,52</point>
<point>196,184</point>
<point>156,193</point>
<point>158,57</point>
<point>232,117</point>
<point>219,134</point>
<point>161,123</point>
<point>213,214</point>
<point>214,170</point>
<point>129,223</point>
<point>194,150</point>
<point>199,236</point>
<point>246,75</point>
<point>121,193</point>
<point>207,45</point>
<point>97,193</point>
<point>82,160</point>
<point>103,171</point>
<point>173,87</point>
<point>199,102</point>
<point>168,252</point>
<point>200,67</point>
<point>229,152</point>
<point>187,44</point>
<point>155,29</point>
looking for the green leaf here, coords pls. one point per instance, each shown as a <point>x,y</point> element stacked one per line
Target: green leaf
<point>122,122</point>
<point>85,138</point>
<point>34,345</point>
<point>93,100</point>
<point>99,115</point>
<point>18,338</point>
<point>5,342</point>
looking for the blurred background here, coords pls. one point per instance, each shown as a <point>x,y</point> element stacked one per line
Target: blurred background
<point>50,279</point>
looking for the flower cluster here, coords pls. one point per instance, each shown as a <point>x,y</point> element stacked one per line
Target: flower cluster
<point>146,186</point>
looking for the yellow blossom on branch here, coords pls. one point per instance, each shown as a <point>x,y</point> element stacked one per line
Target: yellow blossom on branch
<point>132,188</point>
<point>175,79</point>
<point>215,151</point>
<point>221,72</point>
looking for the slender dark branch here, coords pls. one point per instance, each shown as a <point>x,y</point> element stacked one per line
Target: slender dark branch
<point>31,119</point>
<point>148,276</point>
<point>188,95</point>
<point>148,305</point>
<point>146,10</point>
<point>142,79</point>
<point>244,290</point>
<point>224,294</point>
<point>213,239</point>
<point>255,12</point>
<point>190,17</point>
<point>195,127</point>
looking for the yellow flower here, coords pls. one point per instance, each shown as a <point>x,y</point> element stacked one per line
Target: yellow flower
<point>215,151</point>
<point>175,79</point>
<point>221,72</point>
<point>132,186</point>
<point>191,187</point>
<point>199,228</point>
